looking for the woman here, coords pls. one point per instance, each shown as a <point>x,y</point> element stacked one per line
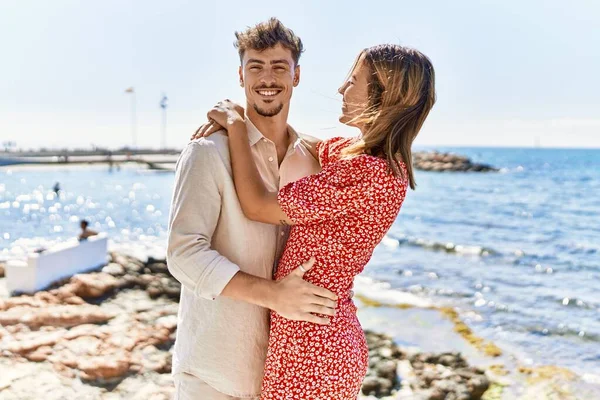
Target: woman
<point>339,215</point>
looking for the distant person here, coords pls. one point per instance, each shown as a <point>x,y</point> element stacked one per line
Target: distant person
<point>56,188</point>
<point>85,232</point>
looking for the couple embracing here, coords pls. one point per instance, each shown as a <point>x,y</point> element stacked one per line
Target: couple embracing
<point>268,227</point>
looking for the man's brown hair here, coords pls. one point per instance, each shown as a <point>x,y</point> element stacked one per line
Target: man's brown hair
<point>266,35</point>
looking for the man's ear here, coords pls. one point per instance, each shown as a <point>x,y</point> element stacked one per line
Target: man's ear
<point>296,75</point>
<point>241,73</point>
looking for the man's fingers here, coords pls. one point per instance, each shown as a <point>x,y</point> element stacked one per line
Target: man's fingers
<point>323,301</point>
<point>305,267</point>
<point>319,291</point>
<point>314,319</point>
<point>316,309</point>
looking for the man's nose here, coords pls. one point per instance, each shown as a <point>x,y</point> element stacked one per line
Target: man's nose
<point>268,78</point>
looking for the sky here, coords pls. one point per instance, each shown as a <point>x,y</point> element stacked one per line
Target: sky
<point>508,73</point>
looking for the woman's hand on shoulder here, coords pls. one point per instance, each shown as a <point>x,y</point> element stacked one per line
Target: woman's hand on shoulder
<point>223,115</point>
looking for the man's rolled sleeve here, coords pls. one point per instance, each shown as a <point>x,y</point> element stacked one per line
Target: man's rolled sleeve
<point>194,215</point>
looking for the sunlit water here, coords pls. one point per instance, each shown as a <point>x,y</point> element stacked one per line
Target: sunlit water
<point>521,247</point>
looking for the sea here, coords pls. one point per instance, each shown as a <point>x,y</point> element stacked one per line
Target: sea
<point>517,251</point>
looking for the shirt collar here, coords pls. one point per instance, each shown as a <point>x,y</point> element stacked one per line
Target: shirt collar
<point>254,135</point>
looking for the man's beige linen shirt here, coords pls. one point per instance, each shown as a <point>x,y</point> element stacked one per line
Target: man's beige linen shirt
<point>220,340</point>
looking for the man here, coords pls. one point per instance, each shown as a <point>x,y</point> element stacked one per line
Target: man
<point>85,231</point>
<point>225,261</point>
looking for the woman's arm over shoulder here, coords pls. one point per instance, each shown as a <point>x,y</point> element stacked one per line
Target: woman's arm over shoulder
<point>310,142</point>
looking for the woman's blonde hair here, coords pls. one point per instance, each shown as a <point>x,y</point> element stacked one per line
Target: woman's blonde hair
<point>401,94</point>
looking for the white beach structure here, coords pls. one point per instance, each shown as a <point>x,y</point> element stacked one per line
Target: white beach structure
<point>61,261</point>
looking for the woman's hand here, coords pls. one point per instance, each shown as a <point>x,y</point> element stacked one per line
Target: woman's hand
<point>222,115</point>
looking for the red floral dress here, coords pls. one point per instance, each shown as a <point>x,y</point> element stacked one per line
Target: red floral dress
<point>340,215</point>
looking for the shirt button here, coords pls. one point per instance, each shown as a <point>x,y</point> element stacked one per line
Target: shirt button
<point>271,159</point>
<point>282,233</point>
<point>265,139</point>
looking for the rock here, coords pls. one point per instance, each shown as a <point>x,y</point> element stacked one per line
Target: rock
<point>1,270</point>
<point>40,354</point>
<point>106,368</point>
<point>152,260</point>
<point>387,369</point>
<point>433,394</point>
<point>385,352</point>
<point>428,377</point>
<point>442,162</point>
<point>447,386</point>
<point>152,359</point>
<point>33,341</point>
<point>93,285</point>
<point>477,386</point>
<point>131,267</point>
<point>374,361</point>
<point>158,268</point>
<point>55,316</point>
<point>453,360</point>
<point>376,386</point>
<point>114,269</point>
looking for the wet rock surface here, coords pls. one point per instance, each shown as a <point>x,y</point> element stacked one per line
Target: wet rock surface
<point>428,376</point>
<point>109,334</point>
<point>443,162</point>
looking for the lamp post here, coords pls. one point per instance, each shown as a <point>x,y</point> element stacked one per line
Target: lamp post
<point>164,102</point>
<point>131,91</point>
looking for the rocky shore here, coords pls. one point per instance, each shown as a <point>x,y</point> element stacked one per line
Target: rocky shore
<point>109,334</point>
<point>446,162</point>
<point>415,375</point>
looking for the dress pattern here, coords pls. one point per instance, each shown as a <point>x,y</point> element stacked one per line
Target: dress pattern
<point>340,215</point>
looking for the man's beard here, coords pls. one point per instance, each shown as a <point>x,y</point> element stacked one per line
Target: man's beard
<point>268,113</point>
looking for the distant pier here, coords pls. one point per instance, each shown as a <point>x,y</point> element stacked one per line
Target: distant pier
<point>151,159</point>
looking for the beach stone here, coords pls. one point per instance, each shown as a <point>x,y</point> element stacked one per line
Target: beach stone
<point>114,269</point>
<point>387,369</point>
<point>93,285</point>
<point>101,367</point>
<point>55,316</point>
<point>433,394</point>
<point>478,385</point>
<point>158,268</point>
<point>153,359</point>
<point>453,360</point>
<point>376,386</point>
<point>385,352</point>
<point>32,341</point>
<point>428,377</point>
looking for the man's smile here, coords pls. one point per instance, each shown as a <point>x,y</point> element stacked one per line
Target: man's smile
<point>268,93</point>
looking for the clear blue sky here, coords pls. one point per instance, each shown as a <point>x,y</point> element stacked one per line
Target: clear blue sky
<point>507,71</point>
